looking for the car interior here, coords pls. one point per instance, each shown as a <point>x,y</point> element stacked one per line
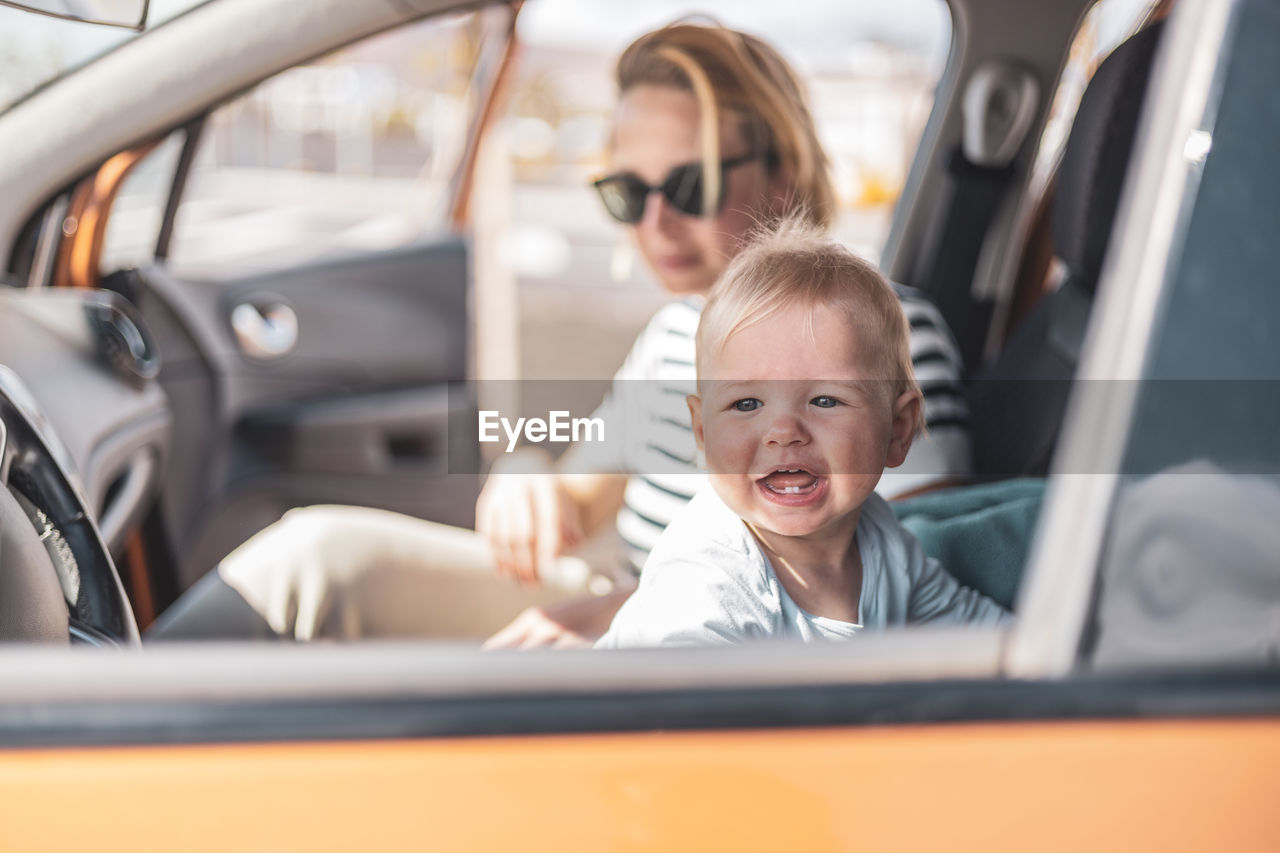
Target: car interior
<point>165,392</point>
<point>1018,399</point>
<point>150,428</point>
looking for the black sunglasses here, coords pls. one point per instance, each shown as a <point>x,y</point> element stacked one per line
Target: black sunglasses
<point>624,193</point>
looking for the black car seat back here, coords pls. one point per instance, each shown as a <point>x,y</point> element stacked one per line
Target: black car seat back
<point>1017,402</point>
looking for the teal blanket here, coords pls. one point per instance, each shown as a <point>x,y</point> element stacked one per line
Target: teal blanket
<point>981,533</point>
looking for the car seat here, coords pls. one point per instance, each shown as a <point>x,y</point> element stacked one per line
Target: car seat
<point>1017,402</point>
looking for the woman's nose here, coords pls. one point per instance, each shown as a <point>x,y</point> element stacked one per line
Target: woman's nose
<point>659,214</point>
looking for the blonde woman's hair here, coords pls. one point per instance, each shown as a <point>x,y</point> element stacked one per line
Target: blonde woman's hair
<point>795,264</point>
<point>732,72</point>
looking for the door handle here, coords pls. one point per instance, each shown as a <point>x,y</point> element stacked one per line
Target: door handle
<point>265,331</point>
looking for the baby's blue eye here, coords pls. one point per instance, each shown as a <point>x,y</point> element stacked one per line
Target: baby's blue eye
<point>747,404</point>
<point>825,402</point>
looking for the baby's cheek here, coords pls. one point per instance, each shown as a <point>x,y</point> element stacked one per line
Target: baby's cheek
<point>734,490</point>
<point>716,461</point>
<point>726,453</point>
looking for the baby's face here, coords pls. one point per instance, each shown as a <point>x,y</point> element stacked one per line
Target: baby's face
<point>795,428</point>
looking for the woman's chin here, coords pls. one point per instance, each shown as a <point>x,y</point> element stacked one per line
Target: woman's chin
<point>683,280</point>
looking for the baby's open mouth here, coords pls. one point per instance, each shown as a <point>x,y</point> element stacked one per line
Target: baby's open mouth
<point>789,481</point>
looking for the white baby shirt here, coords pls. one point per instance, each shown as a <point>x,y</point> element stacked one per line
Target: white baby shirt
<point>709,582</point>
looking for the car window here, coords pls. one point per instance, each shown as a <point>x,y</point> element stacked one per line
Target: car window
<point>1189,568</point>
<point>1105,26</point>
<point>137,214</point>
<point>35,49</point>
<point>351,152</point>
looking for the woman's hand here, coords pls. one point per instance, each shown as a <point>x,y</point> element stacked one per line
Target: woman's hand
<point>572,624</point>
<point>527,516</point>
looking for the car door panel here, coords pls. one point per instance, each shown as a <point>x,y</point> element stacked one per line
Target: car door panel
<point>357,411</point>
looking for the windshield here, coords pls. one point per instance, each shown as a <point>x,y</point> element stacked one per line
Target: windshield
<point>36,49</point>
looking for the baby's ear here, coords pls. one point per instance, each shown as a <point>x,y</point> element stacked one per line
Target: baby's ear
<point>907,412</point>
<point>695,417</point>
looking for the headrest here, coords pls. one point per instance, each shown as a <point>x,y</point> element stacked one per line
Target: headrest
<point>1097,156</point>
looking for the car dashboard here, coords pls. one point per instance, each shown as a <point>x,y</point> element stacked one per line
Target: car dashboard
<point>70,459</point>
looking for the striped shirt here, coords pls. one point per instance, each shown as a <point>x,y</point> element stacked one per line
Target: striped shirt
<point>646,404</point>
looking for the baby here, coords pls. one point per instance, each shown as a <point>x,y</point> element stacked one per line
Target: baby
<point>805,395</point>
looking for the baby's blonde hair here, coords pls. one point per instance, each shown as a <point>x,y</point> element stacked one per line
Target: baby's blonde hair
<point>729,71</point>
<point>794,263</point>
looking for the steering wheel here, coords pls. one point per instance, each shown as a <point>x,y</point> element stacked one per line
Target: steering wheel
<point>57,581</point>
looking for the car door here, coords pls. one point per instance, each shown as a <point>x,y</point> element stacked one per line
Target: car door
<point>294,254</point>
<point>1133,703</point>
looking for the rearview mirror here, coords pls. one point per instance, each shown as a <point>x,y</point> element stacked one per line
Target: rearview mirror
<point>112,13</point>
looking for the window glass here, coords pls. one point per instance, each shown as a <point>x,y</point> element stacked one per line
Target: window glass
<point>36,49</point>
<point>137,213</point>
<point>351,152</point>
<point>1105,26</point>
<point>1190,573</point>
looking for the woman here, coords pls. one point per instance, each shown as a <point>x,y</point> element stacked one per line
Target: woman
<point>712,136</point>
